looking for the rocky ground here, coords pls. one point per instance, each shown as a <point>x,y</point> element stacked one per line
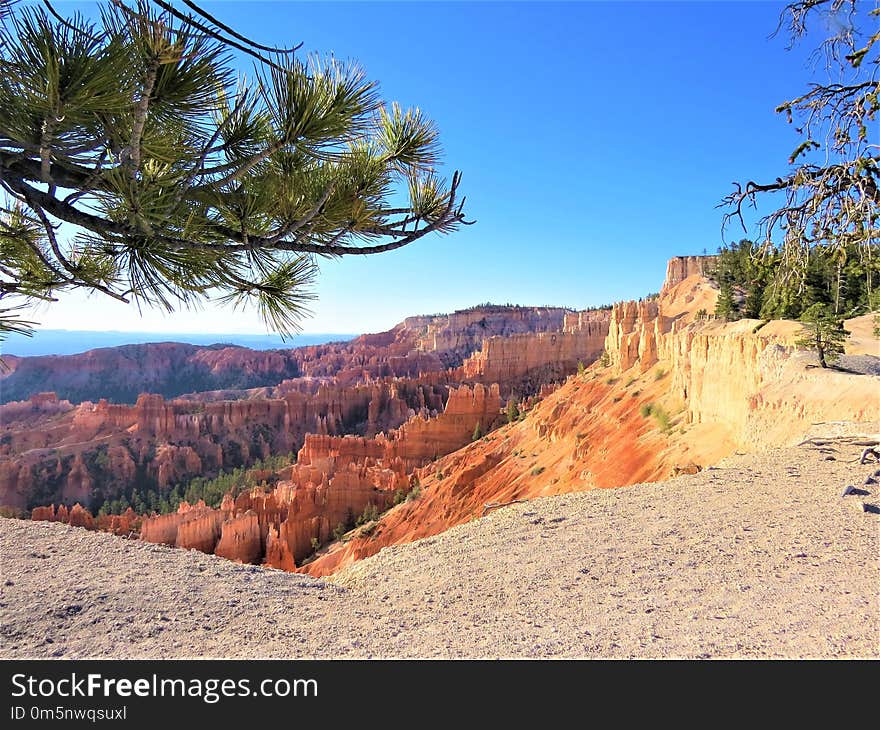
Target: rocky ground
<point>760,556</point>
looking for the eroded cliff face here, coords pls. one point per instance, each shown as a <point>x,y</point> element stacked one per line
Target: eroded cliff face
<point>457,335</point>
<point>680,268</point>
<point>545,356</point>
<point>744,377</point>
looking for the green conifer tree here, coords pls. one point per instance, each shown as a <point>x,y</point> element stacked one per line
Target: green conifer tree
<point>822,332</point>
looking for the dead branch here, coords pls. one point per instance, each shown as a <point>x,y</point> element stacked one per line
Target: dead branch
<point>863,459</point>
<point>495,505</point>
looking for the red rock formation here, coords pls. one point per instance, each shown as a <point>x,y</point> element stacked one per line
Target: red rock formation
<point>76,516</point>
<point>278,551</point>
<point>78,486</point>
<point>81,517</point>
<point>240,539</point>
<point>125,524</point>
<point>43,514</point>
<point>680,268</point>
<point>161,529</point>
<point>200,531</point>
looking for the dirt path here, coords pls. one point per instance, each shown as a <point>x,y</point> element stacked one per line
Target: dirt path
<point>758,557</point>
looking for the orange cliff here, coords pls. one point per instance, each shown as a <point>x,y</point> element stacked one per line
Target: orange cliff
<point>507,359</point>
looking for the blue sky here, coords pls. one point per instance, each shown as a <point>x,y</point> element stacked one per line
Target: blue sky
<point>595,140</point>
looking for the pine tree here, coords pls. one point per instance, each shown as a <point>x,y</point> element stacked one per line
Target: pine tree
<point>822,332</point>
<point>726,307</point>
<point>178,180</point>
<point>512,411</point>
<point>478,432</point>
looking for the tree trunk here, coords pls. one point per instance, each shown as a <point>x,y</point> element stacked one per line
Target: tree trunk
<point>837,294</point>
<point>822,357</point>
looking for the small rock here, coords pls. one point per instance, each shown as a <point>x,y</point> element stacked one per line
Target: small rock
<point>848,489</point>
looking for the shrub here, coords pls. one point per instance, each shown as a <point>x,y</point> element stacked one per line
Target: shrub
<point>581,367</point>
<point>662,418</point>
<point>414,494</point>
<point>660,374</point>
<point>339,531</point>
<point>316,543</point>
<point>604,359</point>
<point>537,470</point>
<point>645,410</point>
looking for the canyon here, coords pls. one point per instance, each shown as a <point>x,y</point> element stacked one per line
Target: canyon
<point>386,458</point>
<point>404,385</point>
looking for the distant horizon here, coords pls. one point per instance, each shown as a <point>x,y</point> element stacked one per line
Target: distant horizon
<point>63,342</point>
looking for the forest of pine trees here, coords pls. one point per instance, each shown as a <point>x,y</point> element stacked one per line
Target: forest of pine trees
<point>212,491</point>
<point>753,285</point>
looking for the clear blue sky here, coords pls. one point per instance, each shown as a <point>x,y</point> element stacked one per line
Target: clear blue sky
<point>595,139</point>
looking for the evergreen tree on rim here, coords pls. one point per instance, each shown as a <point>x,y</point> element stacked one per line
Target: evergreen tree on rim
<point>822,332</point>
